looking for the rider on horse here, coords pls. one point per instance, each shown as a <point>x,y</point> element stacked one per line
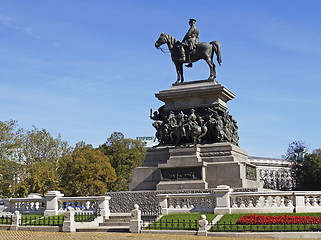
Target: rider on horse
<point>190,41</point>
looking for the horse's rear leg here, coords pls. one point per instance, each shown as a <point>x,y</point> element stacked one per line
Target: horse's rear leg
<point>212,68</point>
<point>179,71</point>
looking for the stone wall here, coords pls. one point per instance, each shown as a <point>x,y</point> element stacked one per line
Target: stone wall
<point>275,173</point>
<point>147,200</point>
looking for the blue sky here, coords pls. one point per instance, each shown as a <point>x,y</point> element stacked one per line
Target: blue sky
<point>87,68</point>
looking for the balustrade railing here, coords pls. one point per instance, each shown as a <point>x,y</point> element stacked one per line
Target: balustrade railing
<point>223,201</point>
<point>54,203</point>
<point>80,204</point>
<point>262,202</point>
<point>220,201</point>
<point>308,201</point>
<point>32,204</point>
<point>282,201</point>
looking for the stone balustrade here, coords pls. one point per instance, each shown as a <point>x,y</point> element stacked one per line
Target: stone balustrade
<point>307,201</point>
<point>221,200</point>
<point>54,203</point>
<point>262,202</point>
<point>224,201</point>
<point>85,204</point>
<point>32,204</point>
<point>276,202</point>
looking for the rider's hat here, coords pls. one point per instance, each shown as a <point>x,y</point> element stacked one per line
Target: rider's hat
<point>192,20</point>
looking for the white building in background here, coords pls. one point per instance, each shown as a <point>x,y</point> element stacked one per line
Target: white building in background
<point>148,141</point>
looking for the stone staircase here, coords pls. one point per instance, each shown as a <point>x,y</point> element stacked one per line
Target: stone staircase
<point>117,222</point>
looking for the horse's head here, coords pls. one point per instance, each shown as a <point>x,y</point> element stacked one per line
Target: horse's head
<point>161,40</point>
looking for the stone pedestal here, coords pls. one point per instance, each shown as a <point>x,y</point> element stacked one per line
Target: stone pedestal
<point>195,119</point>
<point>201,166</point>
<point>69,222</point>
<point>52,202</point>
<point>202,226</point>
<point>222,194</point>
<point>195,94</point>
<point>135,221</point>
<point>16,220</point>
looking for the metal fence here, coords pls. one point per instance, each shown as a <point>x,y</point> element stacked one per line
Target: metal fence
<point>6,219</point>
<point>278,227</point>
<point>150,215</point>
<point>171,224</point>
<point>177,224</point>
<point>34,220</point>
<point>87,216</point>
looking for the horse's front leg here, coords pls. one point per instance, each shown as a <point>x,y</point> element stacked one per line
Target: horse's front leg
<point>178,74</point>
<point>181,71</point>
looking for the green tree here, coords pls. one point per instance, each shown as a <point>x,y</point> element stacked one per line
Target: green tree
<point>125,154</point>
<point>10,170</point>
<point>296,151</point>
<point>308,172</point>
<point>40,178</point>
<point>10,139</point>
<point>29,160</point>
<point>40,154</point>
<point>87,171</point>
<point>40,147</point>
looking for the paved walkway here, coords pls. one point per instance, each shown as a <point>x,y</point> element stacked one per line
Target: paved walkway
<point>28,235</point>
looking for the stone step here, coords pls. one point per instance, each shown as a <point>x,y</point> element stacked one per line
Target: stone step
<point>104,229</point>
<point>120,217</point>
<point>110,224</point>
<point>117,220</point>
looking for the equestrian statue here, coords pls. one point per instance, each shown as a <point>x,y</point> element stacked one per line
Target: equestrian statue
<point>190,50</point>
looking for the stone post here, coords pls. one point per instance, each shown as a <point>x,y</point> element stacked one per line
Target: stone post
<point>103,204</point>
<point>299,203</point>
<point>222,195</point>
<point>69,222</point>
<point>51,198</point>
<point>135,221</point>
<point>16,219</point>
<point>202,226</point>
<point>162,200</point>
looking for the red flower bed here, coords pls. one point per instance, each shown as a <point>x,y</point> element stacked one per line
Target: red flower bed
<point>285,219</point>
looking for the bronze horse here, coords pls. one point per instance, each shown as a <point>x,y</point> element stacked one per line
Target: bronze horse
<point>203,51</point>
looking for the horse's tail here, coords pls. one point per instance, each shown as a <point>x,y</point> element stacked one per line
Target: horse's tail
<point>217,49</point>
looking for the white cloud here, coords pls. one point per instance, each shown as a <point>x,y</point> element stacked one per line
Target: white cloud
<point>7,21</point>
<point>28,30</point>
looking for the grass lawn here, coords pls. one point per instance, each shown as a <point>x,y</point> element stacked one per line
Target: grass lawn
<point>179,221</point>
<point>85,217</point>
<point>228,224</point>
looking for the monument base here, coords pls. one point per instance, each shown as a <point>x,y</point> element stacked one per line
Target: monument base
<point>195,112</point>
<point>195,167</point>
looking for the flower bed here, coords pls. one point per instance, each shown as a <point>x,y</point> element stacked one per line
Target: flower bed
<point>283,219</point>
